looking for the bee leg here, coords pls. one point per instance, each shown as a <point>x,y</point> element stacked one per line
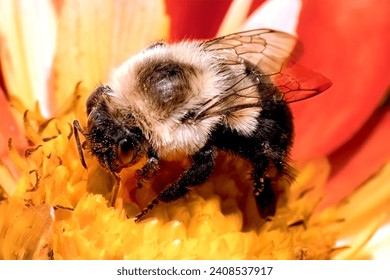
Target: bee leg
<point>265,197</point>
<point>199,172</point>
<point>146,210</point>
<point>262,190</point>
<point>115,188</point>
<point>149,169</point>
<point>77,128</point>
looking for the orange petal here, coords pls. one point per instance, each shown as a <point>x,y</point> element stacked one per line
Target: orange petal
<point>9,128</point>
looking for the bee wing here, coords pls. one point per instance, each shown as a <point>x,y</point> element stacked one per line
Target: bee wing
<point>275,53</point>
<point>298,83</point>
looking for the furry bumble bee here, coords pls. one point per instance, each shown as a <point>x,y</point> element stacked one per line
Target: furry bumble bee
<point>195,99</point>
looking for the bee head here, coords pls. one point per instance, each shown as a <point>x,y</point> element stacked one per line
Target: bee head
<point>112,134</point>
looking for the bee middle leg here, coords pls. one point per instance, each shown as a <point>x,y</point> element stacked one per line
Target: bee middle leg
<point>200,170</point>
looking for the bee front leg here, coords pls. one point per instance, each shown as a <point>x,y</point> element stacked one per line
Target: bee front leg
<point>198,173</point>
<point>76,129</point>
<point>149,169</point>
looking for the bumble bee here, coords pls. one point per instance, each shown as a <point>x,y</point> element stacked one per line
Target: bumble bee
<point>196,98</point>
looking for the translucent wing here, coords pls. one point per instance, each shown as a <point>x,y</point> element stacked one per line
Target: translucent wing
<point>268,49</point>
<point>274,53</point>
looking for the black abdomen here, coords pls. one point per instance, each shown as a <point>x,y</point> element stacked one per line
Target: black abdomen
<point>271,141</point>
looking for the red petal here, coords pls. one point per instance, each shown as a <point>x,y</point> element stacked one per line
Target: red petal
<point>359,158</point>
<point>349,42</point>
<point>255,4</point>
<point>199,19</point>
<point>195,19</point>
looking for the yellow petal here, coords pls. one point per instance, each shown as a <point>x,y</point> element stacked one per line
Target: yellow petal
<point>235,17</point>
<point>27,32</point>
<point>280,15</point>
<point>95,36</point>
<point>25,231</point>
<point>365,212</point>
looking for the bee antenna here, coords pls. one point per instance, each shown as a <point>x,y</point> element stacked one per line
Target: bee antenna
<point>77,128</point>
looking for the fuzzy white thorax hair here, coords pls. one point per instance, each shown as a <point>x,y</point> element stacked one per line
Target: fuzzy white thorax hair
<point>166,132</point>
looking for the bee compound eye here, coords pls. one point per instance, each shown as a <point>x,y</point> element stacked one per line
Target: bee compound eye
<point>97,97</point>
<point>126,151</point>
<point>94,117</point>
<point>125,145</point>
